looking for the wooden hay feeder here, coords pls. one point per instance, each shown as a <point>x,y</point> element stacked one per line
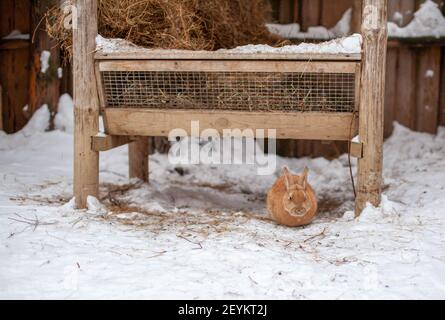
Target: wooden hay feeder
<point>302,96</point>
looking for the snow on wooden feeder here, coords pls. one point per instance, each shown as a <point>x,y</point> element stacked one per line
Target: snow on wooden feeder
<point>141,92</point>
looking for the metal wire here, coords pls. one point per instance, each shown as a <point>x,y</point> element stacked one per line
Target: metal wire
<point>242,91</point>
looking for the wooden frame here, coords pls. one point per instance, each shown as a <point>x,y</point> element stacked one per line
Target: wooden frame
<point>146,122</point>
<point>133,125</point>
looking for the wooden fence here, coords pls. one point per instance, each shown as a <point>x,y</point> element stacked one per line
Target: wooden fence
<point>24,87</point>
<point>415,79</point>
<point>415,86</point>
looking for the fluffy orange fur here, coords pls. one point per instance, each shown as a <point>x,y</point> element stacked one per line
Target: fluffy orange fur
<point>292,201</point>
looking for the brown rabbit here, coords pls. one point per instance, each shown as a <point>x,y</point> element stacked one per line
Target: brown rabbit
<point>292,201</point>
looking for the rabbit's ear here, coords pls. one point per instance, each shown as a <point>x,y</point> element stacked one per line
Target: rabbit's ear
<point>303,178</point>
<point>287,178</point>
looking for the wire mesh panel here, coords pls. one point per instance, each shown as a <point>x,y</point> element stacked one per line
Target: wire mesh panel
<point>242,91</point>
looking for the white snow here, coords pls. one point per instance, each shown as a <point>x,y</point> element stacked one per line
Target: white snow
<point>428,22</point>
<point>107,45</point>
<point>16,35</point>
<point>346,45</point>
<point>65,114</point>
<point>60,73</point>
<point>44,61</point>
<point>398,18</point>
<point>293,30</point>
<point>429,74</point>
<point>95,206</point>
<point>202,231</point>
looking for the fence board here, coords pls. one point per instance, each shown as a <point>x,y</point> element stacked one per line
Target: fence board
<point>310,13</point>
<point>428,84</point>
<point>44,88</point>
<point>14,64</point>
<point>332,11</point>
<point>391,89</point>
<point>442,91</point>
<point>406,88</point>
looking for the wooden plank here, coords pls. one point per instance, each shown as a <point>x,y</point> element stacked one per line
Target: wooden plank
<point>403,9</point>
<point>428,84</point>
<point>86,104</point>
<point>44,87</point>
<point>14,80</point>
<point>14,44</point>
<point>356,22</point>
<point>296,11</point>
<point>391,90</point>
<point>442,91</point>
<point>149,122</point>
<point>156,54</point>
<point>406,88</point>
<point>15,16</point>
<point>311,13</point>
<point>14,62</point>
<point>356,150</point>
<point>138,153</point>
<point>285,11</point>
<point>226,66</point>
<point>374,31</point>
<point>104,142</point>
<point>332,11</point>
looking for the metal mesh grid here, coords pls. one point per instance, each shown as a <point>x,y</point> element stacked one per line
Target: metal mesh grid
<point>242,91</point>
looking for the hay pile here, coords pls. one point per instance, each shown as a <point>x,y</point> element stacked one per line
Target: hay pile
<point>176,24</point>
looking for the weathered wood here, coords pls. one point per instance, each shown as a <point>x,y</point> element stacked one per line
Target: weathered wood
<point>442,91</point>
<point>14,44</point>
<point>428,85</point>
<point>405,10</point>
<point>104,142</point>
<point>311,13</point>
<point>374,31</point>
<point>86,105</point>
<point>138,153</point>
<point>156,54</point>
<point>148,122</point>
<point>44,87</point>
<point>332,11</point>
<point>356,22</point>
<point>286,11</point>
<point>230,66</point>
<point>356,150</point>
<point>14,62</point>
<point>406,88</point>
<point>391,89</point>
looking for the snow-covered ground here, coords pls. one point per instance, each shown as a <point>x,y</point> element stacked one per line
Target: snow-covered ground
<point>202,231</point>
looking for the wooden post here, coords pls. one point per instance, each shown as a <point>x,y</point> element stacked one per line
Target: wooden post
<point>86,104</point>
<point>138,153</point>
<point>374,31</point>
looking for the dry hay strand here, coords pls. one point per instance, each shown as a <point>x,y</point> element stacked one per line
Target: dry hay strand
<point>198,223</point>
<point>175,24</point>
<point>259,91</point>
<point>202,223</point>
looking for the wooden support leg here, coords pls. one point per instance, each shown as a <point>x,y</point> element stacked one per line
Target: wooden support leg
<point>86,104</point>
<point>372,95</point>
<point>86,161</point>
<point>138,153</point>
